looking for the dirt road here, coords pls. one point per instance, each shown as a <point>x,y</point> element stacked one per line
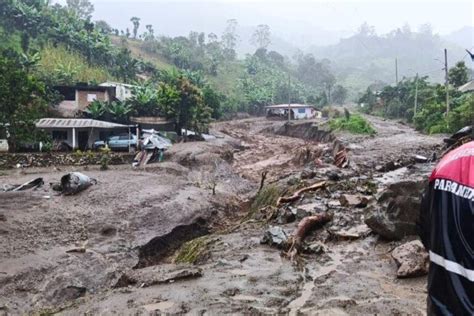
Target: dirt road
<point>131,224</point>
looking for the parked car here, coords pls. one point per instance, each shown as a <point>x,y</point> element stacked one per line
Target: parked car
<point>120,142</point>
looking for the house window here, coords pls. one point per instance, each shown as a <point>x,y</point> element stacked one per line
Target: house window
<point>91,97</point>
<point>59,135</point>
<point>301,111</point>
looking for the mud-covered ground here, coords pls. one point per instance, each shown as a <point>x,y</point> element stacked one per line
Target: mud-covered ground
<point>113,248</point>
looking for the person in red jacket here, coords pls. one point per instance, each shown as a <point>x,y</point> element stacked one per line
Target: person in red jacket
<point>447,231</point>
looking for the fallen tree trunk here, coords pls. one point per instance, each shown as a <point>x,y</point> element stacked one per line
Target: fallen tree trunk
<point>304,227</point>
<point>297,194</point>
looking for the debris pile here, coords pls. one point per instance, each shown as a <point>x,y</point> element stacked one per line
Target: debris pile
<point>25,160</point>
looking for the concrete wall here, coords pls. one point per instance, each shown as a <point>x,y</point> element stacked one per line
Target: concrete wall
<point>82,100</point>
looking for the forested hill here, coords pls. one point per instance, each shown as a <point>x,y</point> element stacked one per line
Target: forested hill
<point>366,57</point>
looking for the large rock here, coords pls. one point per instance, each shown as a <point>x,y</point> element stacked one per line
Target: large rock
<point>412,259</point>
<point>397,209</point>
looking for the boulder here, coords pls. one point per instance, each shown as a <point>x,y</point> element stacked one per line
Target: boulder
<point>412,259</point>
<point>396,212</point>
<point>275,236</point>
<point>350,200</point>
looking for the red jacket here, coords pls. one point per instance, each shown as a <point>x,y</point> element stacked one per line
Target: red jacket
<point>447,231</point>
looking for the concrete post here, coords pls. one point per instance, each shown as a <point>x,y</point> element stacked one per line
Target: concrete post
<point>73,138</point>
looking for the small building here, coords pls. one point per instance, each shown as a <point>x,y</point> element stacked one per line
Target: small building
<point>77,98</point>
<point>467,87</point>
<point>79,133</point>
<point>123,91</point>
<point>298,111</point>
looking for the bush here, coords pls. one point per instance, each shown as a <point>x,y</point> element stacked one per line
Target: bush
<point>355,124</point>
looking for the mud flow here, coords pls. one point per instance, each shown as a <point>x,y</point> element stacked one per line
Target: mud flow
<point>268,218</point>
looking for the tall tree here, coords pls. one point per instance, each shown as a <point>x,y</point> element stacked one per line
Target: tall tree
<point>82,8</point>
<point>459,74</point>
<point>22,98</point>
<point>229,39</point>
<point>261,37</point>
<point>136,25</point>
<point>339,94</point>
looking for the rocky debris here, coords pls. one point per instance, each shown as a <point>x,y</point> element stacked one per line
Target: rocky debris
<point>412,259</point>
<point>10,160</point>
<point>397,209</point>
<point>156,275</point>
<point>355,232</point>
<point>333,175</point>
<point>350,200</point>
<point>389,166</point>
<point>307,174</point>
<point>275,236</point>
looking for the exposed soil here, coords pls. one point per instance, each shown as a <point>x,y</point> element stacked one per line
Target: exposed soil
<point>67,254</point>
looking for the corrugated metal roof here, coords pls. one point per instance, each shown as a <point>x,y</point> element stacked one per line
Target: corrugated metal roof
<point>467,87</point>
<point>149,120</point>
<point>76,123</point>
<point>292,106</point>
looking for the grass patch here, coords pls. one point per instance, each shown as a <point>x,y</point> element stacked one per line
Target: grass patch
<point>355,124</point>
<point>67,67</point>
<point>193,251</point>
<point>268,196</point>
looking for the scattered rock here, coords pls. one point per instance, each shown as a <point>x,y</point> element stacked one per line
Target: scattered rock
<point>350,200</point>
<point>285,215</point>
<point>231,292</point>
<point>389,166</point>
<point>412,259</point>
<point>307,174</point>
<point>397,210</point>
<point>333,176</point>
<point>314,248</point>
<point>3,218</point>
<point>108,230</point>
<point>275,236</point>
<point>353,232</point>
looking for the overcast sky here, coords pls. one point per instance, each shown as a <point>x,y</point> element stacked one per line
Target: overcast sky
<point>178,17</point>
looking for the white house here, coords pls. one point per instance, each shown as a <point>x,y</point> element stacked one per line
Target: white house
<point>77,132</point>
<point>123,91</point>
<point>298,111</point>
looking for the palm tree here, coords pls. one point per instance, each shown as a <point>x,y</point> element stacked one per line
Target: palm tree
<point>119,110</point>
<point>96,109</point>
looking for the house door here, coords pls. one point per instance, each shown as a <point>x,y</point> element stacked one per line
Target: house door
<point>83,139</point>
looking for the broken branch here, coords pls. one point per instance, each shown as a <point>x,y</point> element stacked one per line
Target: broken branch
<point>297,194</point>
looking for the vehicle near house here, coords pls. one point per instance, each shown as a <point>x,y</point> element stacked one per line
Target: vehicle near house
<point>79,133</point>
<point>118,142</point>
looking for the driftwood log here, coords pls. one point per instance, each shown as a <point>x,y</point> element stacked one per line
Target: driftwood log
<point>304,227</point>
<point>297,194</point>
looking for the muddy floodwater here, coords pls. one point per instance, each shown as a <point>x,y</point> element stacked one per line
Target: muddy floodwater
<point>156,240</point>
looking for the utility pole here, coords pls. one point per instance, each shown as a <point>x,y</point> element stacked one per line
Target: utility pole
<point>446,79</point>
<point>416,94</point>
<point>396,71</point>
<point>289,98</point>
